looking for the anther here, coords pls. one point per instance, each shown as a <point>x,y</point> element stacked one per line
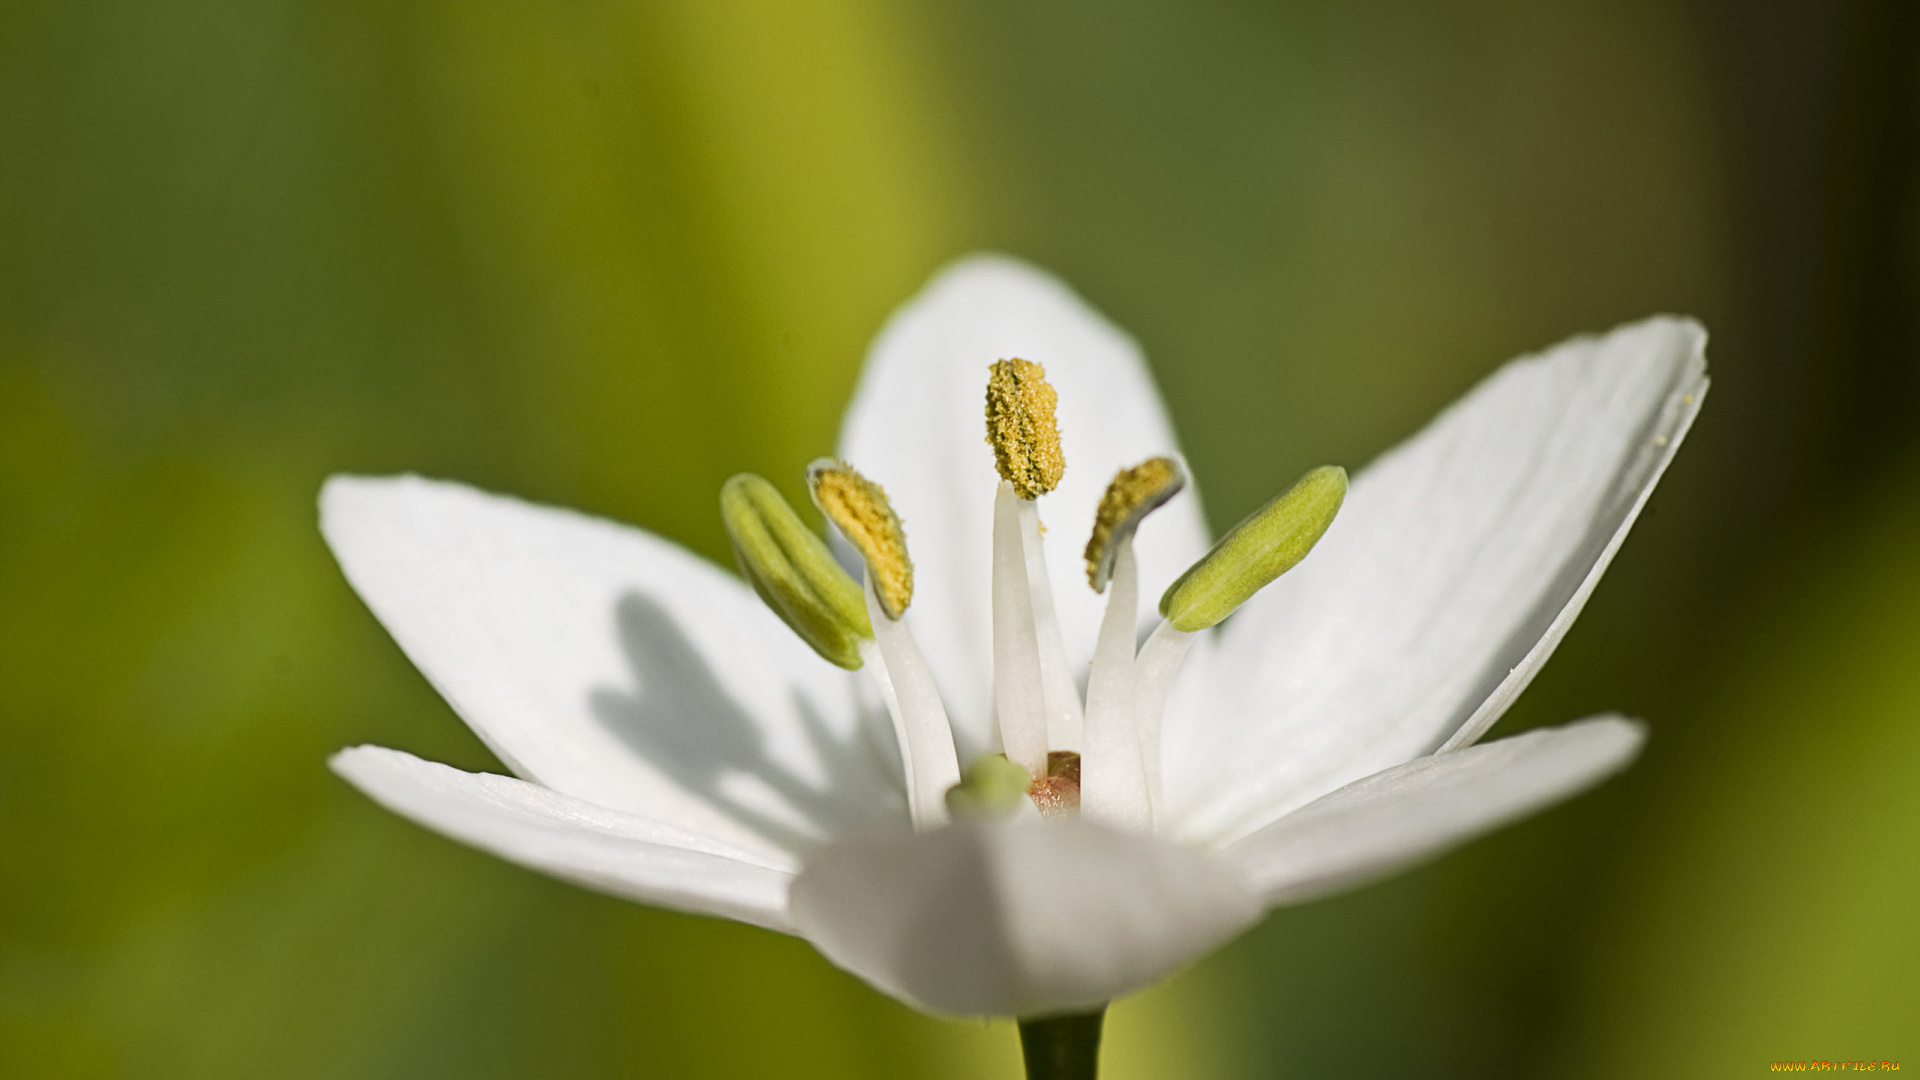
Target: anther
<point>791,569</point>
<point>1021,428</point>
<point>861,510</point>
<point>1270,542</point>
<point>1133,494</point>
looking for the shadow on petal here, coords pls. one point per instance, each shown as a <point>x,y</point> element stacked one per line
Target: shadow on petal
<point>680,718</point>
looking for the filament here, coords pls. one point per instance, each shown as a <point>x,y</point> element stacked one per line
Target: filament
<point>919,718</point>
<point>1113,778</point>
<point>1019,694</point>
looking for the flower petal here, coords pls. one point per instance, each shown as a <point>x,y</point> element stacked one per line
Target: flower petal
<point>1457,564</point>
<point>1374,826</point>
<point>613,666</point>
<point>917,426</point>
<point>627,856</point>
<point>1016,919</point>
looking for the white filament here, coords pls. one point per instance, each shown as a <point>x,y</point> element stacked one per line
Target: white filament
<point>1153,672</point>
<point>1113,778</point>
<point>919,717</point>
<point>1019,693</point>
<point>1056,677</point>
<point>875,665</point>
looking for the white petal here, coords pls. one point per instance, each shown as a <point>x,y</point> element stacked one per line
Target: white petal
<point>611,665</point>
<point>621,854</point>
<point>917,426</point>
<point>1016,919</point>
<point>1376,825</point>
<point>1456,565</point>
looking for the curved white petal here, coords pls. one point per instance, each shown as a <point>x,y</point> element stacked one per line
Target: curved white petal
<point>627,856</point>
<point>917,426</point>
<point>1016,919</point>
<point>614,666</point>
<point>1374,826</point>
<point>1456,565</point>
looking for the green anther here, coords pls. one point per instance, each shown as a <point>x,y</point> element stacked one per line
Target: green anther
<point>790,567</point>
<point>1269,543</point>
<point>991,788</point>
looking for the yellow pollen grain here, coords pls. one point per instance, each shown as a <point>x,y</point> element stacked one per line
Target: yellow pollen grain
<point>859,507</point>
<point>1133,494</point>
<point>1021,427</point>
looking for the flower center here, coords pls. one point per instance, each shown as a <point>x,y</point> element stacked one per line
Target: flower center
<point>1058,792</point>
<point>1061,756</point>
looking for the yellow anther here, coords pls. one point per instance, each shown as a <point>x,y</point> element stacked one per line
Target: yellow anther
<point>861,510</point>
<point>1021,427</point>
<point>1133,494</point>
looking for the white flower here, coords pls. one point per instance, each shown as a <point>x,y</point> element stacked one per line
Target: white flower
<point>677,745</point>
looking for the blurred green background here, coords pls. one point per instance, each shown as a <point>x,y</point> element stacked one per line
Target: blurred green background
<point>606,253</point>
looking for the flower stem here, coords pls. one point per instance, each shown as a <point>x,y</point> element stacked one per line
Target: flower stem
<point>1062,1047</point>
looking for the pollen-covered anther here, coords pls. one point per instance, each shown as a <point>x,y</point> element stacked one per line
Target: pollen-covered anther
<point>1022,429</point>
<point>1133,494</point>
<point>859,507</point>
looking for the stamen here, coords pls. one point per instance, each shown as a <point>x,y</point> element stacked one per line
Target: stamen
<point>791,569</point>
<point>1118,790</point>
<point>1270,542</point>
<point>1018,694</point>
<point>1133,494</point>
<point>1025,437</point>
<point>1021,427</point>
<point>919,717</point>
<point>866,518</point>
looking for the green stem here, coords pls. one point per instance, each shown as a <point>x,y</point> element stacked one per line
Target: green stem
<point>1062,1047</point>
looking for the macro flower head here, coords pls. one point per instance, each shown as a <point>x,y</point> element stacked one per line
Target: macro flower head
<point>959,748</point>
